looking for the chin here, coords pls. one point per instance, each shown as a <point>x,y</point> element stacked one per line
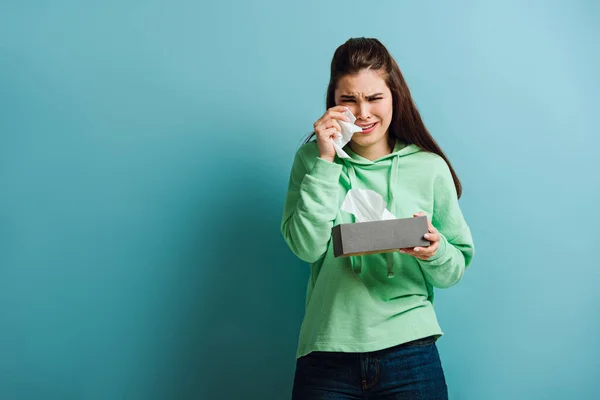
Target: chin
<point>366,141</point>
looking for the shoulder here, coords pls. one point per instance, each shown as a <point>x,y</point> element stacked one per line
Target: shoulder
<point>308,150</point>
<point>440,175</point>
<point>432,168</point>
<point>430,162</point>
<point>307,154</point>
<point>431,159</point>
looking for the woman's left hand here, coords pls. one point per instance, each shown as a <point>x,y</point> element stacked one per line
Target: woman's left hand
<point>424,253</point>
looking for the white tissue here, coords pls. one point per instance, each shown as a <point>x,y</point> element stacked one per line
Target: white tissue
<point>348,129</point>
<point>366,205</point>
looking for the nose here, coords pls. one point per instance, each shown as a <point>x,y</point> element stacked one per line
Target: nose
<point>363,111</point>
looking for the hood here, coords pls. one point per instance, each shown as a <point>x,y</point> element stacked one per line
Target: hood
<point>400,150</point>
<point>386,164</point>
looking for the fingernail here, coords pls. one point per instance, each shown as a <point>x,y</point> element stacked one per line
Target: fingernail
<point>426,236</point>
<point>416,249</point>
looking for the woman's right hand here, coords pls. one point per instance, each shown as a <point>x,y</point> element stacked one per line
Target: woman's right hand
<point>327,128</point>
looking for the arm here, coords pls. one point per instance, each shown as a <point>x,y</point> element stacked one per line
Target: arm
<point>447,266</point>
<point>311,206</point>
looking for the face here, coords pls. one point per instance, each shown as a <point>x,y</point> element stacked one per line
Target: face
<point>370,100</point>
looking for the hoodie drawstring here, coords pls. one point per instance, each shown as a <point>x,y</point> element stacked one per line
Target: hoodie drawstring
<point>355,261</point>
<point>391,187</point>
<point>393,178</point>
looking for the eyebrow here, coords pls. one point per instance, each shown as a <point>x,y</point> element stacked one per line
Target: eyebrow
<point>349,96</point>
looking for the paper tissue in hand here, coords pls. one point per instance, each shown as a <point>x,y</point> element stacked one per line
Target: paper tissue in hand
<point>348,129</point>
<point>376,230</point>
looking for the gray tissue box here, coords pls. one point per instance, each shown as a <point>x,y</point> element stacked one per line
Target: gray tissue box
<point>378,236</point>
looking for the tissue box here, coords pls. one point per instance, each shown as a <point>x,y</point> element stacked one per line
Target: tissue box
<point>379,236</point>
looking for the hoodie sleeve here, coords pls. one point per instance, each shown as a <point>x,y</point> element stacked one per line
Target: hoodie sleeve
<point>456,249</point>
<point>311,206</point>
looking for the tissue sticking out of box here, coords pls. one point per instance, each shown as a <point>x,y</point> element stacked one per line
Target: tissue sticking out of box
<point>366,205</point>
<point>348,129</point>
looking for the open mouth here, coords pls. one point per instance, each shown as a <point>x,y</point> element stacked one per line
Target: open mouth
<point>368,128</point>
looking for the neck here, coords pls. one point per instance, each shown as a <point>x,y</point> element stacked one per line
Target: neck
<point>374,152</point>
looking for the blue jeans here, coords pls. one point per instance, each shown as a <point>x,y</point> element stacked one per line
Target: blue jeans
<point>410,371</point>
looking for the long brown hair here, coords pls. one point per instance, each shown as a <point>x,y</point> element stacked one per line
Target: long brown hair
<point>406,125</point>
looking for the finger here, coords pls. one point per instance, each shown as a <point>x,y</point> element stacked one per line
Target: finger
<point>424,250</point>
<point>341,115</point>
<point>431,228</point>
<point>334,133</point>
<point>416,255</point>
<point>427,251</point>
<point>409,251</point>
<point>332,113</point>
<point>328,133</point>
<point>341,109</point>
<point>432,236</point>
<point>330,123</point>
<point>431,250</point>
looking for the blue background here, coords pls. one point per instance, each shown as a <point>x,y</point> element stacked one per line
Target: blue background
<point>145,148</point>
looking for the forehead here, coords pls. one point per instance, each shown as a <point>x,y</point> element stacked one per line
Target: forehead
<point>364,83</point>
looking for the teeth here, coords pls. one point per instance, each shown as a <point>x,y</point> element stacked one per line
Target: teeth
<point>369,126</point>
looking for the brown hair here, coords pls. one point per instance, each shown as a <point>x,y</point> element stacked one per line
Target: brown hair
<point>407,126</point>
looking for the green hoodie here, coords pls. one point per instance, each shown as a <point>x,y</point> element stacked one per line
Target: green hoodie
<point>351,303</point>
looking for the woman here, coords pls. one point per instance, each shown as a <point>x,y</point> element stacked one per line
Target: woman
<point>370,329</point>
